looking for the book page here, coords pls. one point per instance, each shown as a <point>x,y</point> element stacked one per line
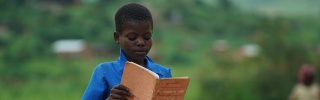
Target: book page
<point>145,69</point>
<point>171,88</point>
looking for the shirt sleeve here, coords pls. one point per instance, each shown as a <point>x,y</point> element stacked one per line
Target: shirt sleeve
<point>168,73</point>
<point>97,85</point>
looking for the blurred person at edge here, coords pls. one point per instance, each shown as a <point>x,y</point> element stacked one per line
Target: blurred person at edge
<point>307,87</point>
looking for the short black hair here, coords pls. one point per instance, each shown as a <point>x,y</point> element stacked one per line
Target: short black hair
<point>132,12</point>
<point>309,78</point>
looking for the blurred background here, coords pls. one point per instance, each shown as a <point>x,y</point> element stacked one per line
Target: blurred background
<point>231,49</point>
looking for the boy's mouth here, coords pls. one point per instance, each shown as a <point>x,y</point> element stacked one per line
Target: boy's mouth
<point>140,52</point>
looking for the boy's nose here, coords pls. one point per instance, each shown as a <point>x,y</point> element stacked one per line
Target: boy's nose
<point>140,42</point>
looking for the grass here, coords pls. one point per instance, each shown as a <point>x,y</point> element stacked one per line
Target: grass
<point>48,79</point>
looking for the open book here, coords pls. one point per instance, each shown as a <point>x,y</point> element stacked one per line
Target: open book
<point>146,85</point>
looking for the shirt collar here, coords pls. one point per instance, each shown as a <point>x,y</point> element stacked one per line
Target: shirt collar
<point>149,63</point>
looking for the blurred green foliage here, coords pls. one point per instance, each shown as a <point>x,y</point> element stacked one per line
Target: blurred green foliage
<point>184,33</point>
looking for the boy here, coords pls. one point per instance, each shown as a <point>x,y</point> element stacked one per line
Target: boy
<point>134,29</point>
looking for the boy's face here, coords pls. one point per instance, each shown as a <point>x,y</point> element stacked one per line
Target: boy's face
<point>135,40</point>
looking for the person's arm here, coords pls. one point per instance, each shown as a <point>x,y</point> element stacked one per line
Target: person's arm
<point>97,85</point>
<point>97,88</point>
<point>293,94</point>
<point>318,91</point>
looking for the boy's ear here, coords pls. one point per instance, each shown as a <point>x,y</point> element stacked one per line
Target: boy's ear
<point>116,37</point>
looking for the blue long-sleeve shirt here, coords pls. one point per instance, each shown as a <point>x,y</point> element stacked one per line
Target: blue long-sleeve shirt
<point>108,74</point>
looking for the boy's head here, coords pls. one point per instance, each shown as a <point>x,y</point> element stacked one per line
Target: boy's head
<point>134,27</point>
<point>132,12</point>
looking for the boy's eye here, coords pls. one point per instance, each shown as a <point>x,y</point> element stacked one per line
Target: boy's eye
<point>132,37</point>
<point>147,36</point>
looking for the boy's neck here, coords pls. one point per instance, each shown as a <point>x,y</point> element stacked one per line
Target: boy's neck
<point>142,62</point>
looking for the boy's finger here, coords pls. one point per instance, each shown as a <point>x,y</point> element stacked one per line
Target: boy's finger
<point>115,96</point>
<point>120,92</point>
<point>126,88</point>
<point>123,87</point>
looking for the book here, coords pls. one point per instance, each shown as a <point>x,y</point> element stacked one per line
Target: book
<point>146,85</point>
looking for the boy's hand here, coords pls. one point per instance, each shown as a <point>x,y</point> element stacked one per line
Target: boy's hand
<point>119,92</point>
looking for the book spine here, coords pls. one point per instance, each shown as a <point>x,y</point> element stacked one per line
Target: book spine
<point>155,89</point>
